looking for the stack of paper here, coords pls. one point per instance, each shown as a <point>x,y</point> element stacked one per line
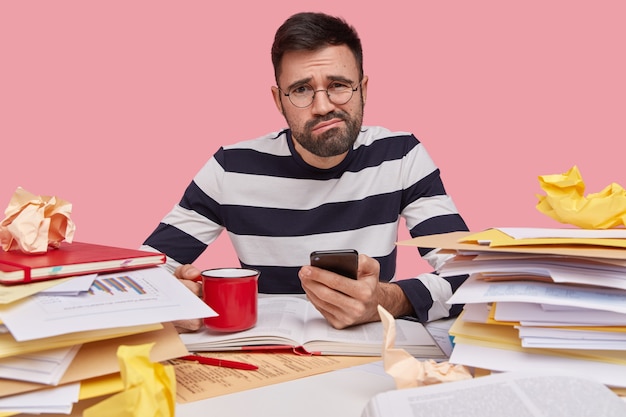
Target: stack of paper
<point>62,335</point>
<point>539,299</point>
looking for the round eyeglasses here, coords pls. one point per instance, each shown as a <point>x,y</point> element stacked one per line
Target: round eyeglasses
<point>338,92</point>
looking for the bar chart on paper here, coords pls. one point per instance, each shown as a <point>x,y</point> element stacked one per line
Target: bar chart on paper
<point>120,299</point>
<point>107,293</point>
<point>118,285</point>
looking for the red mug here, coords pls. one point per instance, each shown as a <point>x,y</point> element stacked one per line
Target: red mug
<point>232,293</point>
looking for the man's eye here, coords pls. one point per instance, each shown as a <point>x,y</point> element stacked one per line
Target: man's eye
<point>301,90</point>
<point>339,87</point>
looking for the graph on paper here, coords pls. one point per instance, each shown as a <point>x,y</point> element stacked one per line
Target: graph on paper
<point>117,285</point>
<point>114,300</point>
<point>112,291</point>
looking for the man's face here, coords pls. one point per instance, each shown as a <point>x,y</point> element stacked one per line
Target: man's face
<point>323,129</point>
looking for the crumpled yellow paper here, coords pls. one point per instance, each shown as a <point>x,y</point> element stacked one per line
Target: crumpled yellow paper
<point>565,202</point>
<point>35,223</point>
<point>409,372</point>
<point>149,387</point>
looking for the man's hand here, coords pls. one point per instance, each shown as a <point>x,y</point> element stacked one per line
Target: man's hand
<point>346,302</point>
<point>188,275</point>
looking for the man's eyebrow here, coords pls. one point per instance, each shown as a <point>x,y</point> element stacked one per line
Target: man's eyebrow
<point>340,78</point>
<point>329,79</point>
<point>299,82</point>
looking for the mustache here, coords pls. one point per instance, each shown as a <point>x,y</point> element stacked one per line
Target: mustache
<point>329,116</point>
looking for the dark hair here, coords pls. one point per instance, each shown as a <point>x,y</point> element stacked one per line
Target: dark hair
<point>313,31</point>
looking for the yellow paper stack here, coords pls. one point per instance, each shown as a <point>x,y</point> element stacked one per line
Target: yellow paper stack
<point>544,300</point>
<point>98,334</point>
<point>94,371</point>
<point>61,348</point>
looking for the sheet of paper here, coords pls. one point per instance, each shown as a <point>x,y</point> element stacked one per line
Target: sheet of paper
<point>341,393</point>
<point>577,338</point>
<point>407,370</point>
<point>10,347</point>
<point>99,358</point>
<point>529,394</point>
<point>475,290</point>
<point>527,313</point>
<point>476,312</point>
<point>465,242</point>
<point>35,222</point>
<point>196,382</point>
<point>439,329</point>
<point>12,293</point>
<point>506,337</point>
<point>564,271</point>
<point>44,367</point>
<point>51,400</point>
<point>149,386</point>
<point>567,233</point>
<point>143,296</point>
<point>510,360</point>
<point>585,333</point>
<point>552,343</point>
<point>523,255</point>
<point>496,237</point>
<point>72,286</point>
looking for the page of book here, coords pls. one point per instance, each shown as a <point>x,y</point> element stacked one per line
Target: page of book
<point>281,321</point>
<point>507,394</point>
<point>365,338</point>
<point>294,321</point>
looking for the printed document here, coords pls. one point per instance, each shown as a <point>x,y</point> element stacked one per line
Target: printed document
<point>499,395</point>
<point>116,300</point>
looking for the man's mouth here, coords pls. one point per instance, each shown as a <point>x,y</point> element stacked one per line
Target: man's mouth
<point>326,125</point>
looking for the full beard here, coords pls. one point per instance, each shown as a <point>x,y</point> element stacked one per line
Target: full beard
<point>332,142</point>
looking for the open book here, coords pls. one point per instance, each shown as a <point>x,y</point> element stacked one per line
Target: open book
<point>498,395</point>
<point>292,321</point>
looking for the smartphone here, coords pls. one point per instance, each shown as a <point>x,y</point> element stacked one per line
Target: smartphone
<point>341,261</point>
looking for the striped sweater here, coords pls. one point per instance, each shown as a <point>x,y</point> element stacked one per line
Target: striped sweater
<point>277,209</point>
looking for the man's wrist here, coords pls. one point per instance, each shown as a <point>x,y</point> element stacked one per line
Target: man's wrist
<point>393,299</point>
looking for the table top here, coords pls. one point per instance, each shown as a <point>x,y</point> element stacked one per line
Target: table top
<point>343,392</point>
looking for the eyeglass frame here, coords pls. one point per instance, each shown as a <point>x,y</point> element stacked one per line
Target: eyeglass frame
<point>353,90</point>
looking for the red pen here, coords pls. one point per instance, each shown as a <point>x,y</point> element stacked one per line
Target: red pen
<point>220,362</point>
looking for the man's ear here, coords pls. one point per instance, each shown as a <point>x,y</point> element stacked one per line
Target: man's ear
<point>364,88</point>
<point>277,101</point>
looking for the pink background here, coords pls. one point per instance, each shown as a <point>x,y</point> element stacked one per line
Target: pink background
<point>114,105</point>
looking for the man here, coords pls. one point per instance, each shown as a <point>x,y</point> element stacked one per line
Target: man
<point>326,182</point>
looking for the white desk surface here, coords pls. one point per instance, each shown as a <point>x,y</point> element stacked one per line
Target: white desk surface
<point>342,393</point>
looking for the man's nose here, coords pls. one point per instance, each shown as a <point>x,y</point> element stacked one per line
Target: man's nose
<point>321,102</point>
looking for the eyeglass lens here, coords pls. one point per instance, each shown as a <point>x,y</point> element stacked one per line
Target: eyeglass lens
<point>338,93</point>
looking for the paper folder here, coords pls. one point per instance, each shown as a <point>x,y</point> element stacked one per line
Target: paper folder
<point>466,242</point>
<point>100,358</point>
<point>505,337</point>
<point>495,238</point>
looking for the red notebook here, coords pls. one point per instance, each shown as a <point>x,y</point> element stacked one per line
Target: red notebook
<point>70,259</point>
